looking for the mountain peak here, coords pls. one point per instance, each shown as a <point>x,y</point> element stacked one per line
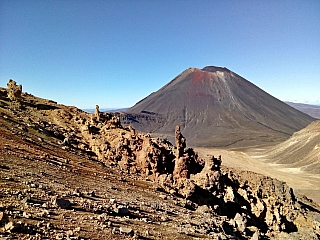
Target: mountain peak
<point>217,107</point>
<point>214,69</point>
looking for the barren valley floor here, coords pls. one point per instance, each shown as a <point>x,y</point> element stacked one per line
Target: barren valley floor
<point>253,160</point>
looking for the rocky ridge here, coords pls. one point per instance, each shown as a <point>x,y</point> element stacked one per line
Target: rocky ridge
<point>58,162</point>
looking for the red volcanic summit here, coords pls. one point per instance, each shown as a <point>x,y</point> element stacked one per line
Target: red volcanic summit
<point>216,107</point>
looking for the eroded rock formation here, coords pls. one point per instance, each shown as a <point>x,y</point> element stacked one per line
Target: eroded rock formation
<point>253,205</point>
<point>14,91</point>
<point>180,142</point>
<point>248,199</point>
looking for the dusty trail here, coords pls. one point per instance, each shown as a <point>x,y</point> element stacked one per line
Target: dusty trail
<point>252,160</point>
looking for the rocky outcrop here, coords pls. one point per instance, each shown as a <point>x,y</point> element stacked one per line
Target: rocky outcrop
<point>249,200</point>
<point>14,91</point>
<point>180,142</point>
<point>254,204</point>
<point>242,205</point>
<point>133,152</point>
<point>96,115</point>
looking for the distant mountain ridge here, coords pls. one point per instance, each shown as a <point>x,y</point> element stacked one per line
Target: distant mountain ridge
<point>311,110</point>
<point>216,107</point>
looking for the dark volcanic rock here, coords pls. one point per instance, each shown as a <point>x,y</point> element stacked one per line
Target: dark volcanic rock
<point>215,107</point>
<point>62,203</point>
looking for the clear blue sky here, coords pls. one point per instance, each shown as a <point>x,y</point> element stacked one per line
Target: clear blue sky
<point>114,53</point>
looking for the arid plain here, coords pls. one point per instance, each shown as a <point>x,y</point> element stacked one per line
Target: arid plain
<point>254,160</point>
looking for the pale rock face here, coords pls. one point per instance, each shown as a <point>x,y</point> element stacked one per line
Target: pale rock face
<point>9,226</point>
<point>124,230</point>
<point>257,208</point>
<point>220,74</point>
<point>229,196</point>
<point>243,193</point>
<point>241,222</point>
<point>181,168</point>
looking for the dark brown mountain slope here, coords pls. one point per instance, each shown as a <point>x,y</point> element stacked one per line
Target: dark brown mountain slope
<point>216,107</point>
